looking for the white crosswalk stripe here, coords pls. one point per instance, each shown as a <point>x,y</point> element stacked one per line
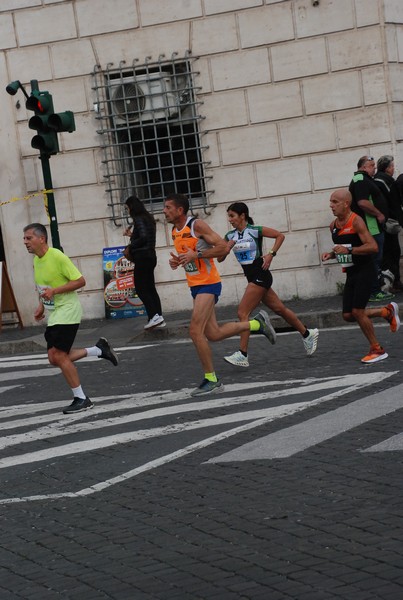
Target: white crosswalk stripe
<point>241,407</point>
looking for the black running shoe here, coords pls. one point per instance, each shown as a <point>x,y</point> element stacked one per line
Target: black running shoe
<point>78,405</point>
<point>107,352</point>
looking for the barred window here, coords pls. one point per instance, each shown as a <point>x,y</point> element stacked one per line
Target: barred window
<point>149,126</point>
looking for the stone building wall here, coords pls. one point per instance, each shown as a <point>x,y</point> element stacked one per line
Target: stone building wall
<point>293,94</point>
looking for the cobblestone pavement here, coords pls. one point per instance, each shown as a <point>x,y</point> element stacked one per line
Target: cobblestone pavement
<point>322,523</point>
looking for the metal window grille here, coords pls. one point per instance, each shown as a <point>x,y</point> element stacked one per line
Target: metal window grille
<point>149,125</point>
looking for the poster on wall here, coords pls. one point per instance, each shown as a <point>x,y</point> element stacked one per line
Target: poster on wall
<point>121,300</point>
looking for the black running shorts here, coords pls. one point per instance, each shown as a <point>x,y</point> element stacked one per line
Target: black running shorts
<point>61,336</point>
<point>358,286</point>
<point>255,274</point>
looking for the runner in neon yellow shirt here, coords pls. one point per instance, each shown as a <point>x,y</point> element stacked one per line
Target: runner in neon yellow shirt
<point>57,280</point>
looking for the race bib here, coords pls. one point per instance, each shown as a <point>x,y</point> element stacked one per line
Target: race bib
<point>243,252</point>
<point>48,304</point>
<point>191,267</point>
<point>346,260</point>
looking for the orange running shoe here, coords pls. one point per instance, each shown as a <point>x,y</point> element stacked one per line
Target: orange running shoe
<point>393,316</point>
<point>374,355</point>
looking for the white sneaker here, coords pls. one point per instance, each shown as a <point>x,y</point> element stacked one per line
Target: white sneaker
<point>311,342</point>
<point>156,321</point>
<point>237,359</point>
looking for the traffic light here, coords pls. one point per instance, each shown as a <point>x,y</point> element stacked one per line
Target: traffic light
<point>47,124</point>
<point>63,121</point>
<point>46,139</point>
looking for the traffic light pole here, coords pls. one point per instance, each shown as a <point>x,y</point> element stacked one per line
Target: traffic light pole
<point>47,124</point>
<point>51,206</point>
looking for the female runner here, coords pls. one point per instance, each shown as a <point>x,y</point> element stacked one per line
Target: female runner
<point>246,241</point>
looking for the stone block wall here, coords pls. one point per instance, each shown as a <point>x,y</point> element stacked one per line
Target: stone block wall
<point>292,95</point>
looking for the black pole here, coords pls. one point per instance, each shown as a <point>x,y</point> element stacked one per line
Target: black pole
<point>51,207</point>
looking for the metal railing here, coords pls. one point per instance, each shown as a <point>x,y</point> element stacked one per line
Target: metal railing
<point>149,121</point>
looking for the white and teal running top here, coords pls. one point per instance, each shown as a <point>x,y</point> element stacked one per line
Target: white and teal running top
<point>248,243</point>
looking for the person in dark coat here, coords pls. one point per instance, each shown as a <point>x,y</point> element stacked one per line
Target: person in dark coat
<point>390,190</point>
<point>141,251</point>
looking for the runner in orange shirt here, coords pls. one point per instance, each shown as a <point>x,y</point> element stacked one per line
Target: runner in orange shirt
<point>196,246</point>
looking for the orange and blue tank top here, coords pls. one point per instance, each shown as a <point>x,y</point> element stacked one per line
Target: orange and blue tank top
<point>201,271</point>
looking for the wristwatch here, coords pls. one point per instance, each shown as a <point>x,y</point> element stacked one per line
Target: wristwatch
<point>272,252</point>
<point>200,254</point>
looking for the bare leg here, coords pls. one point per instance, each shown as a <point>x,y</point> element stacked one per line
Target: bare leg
<point>203,308</point>
<point>276,305</point>
<point>77,353</point>
<point>364,321</point>
<point>204,327</point>
<point>61,359</point>
<point>372,313</point>
<point>252,297</point>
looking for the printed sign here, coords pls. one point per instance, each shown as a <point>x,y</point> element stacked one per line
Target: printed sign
<point>121,300</point>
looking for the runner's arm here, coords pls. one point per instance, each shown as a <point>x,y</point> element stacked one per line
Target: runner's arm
<point>218,247</point>
<point>279,238</point>
<point>70,286</point>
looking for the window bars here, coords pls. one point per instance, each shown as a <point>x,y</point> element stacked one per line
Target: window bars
<point>149,125</point>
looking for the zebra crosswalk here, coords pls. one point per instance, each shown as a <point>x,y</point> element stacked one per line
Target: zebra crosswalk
<point>36,433</point>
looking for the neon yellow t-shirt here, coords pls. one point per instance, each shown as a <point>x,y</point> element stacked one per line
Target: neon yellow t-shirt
<point>53,270</point>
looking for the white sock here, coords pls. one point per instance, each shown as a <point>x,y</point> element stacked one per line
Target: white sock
<point>78,392</point>
<point>94,351</point>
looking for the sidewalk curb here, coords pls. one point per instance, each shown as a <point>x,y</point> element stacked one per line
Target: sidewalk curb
<point>21,347</point>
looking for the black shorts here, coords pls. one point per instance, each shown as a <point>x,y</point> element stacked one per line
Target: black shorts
<point>358,286</point>
<point>61,337</point>
<point>255,274</point>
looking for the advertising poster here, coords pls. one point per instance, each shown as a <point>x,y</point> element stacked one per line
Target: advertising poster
<point>121,300</point>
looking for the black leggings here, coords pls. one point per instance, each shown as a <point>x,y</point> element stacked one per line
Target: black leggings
<point>391,255</point>
<point>144,283</point>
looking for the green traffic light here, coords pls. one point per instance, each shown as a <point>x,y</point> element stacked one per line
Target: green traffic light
<point>63,121</point>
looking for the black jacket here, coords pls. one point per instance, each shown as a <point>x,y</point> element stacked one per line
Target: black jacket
<point>142,238</point>
<point>396,200</point>
<point>363,187</point>
<point>384,183</point>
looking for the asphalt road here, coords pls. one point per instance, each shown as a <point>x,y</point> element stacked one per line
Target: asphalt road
<point>287,485</point>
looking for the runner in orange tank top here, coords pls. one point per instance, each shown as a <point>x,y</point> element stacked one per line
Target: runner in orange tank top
<point>196,246</point>
<point>353,248</point>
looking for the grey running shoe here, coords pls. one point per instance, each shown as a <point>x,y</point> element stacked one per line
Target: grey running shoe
<point>311,342</point>
<point>78,405</point>
<point>206,387</point>
<point>266,328</point>
<point>237,359</point>
<point>107,351</point>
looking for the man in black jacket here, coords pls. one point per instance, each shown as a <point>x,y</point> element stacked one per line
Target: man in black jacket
<point>370,204</point>
<point>391,249</point>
